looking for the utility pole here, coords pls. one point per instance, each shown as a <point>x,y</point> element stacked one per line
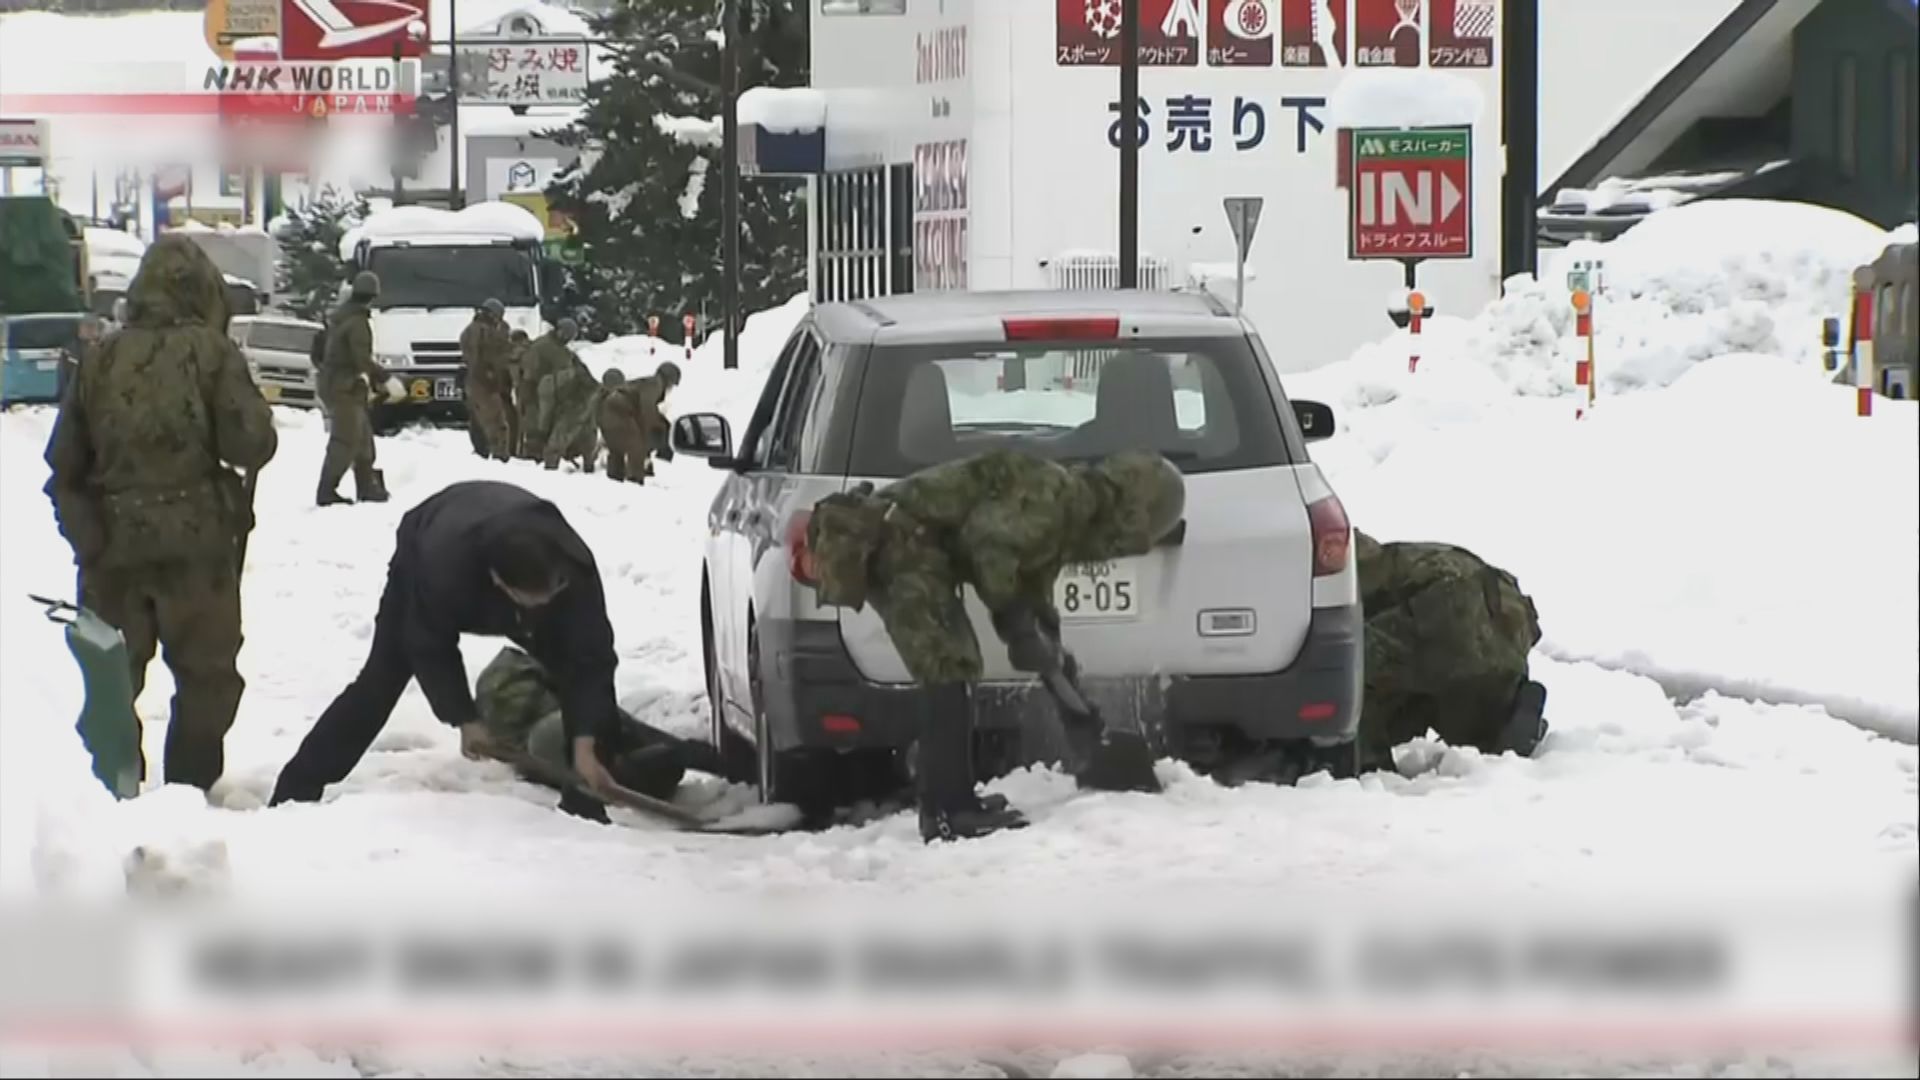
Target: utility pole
<point>1520,134</point>
<point>456,194</point>
<point>1129,144</point>
<point>730,180</point>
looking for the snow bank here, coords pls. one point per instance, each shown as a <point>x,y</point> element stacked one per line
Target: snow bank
<point>1404,98</point>
<point>706,385</point>
<point>489,219</point>
<point>785,110</point>
<point>1712,522</point>
<point>692,130</point>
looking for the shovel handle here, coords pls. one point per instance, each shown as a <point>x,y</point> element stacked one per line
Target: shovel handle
<point>58,611</point>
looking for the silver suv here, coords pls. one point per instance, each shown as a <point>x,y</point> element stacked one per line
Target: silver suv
<point>1237,644</point>
<point>279,350</point>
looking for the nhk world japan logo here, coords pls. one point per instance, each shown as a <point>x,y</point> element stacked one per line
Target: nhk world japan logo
<point>313,88</point>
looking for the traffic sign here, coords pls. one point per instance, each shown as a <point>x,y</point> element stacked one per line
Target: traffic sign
<point>1412,194</point>
<point>1243,217</point>
<point>348,29</point>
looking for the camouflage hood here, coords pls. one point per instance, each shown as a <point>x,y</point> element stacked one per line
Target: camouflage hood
<point>176,285</point>
<point>1138,498</point>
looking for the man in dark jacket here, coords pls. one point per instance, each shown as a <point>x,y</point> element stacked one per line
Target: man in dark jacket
<point>486,558</point>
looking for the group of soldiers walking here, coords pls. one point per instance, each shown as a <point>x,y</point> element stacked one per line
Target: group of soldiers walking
<point>532,399</point>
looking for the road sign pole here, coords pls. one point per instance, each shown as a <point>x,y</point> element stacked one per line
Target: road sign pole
<point>1243,218</point>
<point>1412,273</point>
<point>456,195</point>
<point>1239,283</point>
<point>1129,144</point>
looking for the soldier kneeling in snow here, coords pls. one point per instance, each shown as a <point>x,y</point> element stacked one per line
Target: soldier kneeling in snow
<point>1447,644</point>
<point>522,713</point>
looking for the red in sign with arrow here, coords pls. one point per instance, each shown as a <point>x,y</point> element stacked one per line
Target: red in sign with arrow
<point>1412,194</point>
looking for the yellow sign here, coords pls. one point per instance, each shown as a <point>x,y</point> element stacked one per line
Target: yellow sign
<point>421,390</point>
<point>228,21</point>
<point>270,392</point>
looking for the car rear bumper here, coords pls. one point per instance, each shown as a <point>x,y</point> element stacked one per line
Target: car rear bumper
<point>816,697</point>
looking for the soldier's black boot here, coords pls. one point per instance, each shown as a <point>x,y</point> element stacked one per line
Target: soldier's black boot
<point>328,497</point>
<point>1528,725</point>
<point>376,489</point>
<point>949,808</point>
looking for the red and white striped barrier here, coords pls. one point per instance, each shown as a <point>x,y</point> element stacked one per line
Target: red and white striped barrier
<point>1583,370</point>
<point>687,322</point>
<point>1416,307</point>
<point>653,336</point>
<point>1860,351</point>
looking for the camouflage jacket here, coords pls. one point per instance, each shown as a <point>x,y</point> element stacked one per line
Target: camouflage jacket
<point>349,351</point>
<point>151,421</point>
<point>1011,522</point>
<point>547,355</point>
<point>487,351</point>
<point>637,402</point>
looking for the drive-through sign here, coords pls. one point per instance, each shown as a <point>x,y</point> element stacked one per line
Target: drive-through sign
<point>1412,194</point>
<point>351,29</point>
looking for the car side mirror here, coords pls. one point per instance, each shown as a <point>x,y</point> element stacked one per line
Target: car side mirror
<point>704,435</point>
<point>1316,420</point>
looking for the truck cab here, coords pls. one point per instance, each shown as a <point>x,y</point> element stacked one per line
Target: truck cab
<point>436,268</point>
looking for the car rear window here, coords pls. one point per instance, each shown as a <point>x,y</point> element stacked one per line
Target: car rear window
<point>42,333</point>
<point>1201,402</point>
<point>279,337</point>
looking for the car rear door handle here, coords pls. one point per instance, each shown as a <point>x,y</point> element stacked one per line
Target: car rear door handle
<point>733,517</point>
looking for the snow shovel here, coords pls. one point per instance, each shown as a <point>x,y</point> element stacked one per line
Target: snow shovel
<point>109,728</point>
<point>1103,759</point>
<point>544,772</point>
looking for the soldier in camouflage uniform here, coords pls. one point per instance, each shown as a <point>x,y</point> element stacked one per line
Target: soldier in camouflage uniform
<point>150,428</point>
<point>346,379</point>
<point>522,393</point>
<point>632,424</point>
<point>1006,524</point>
<point>544,357</point>
<point>486,350</point>
<point>522,712</point>
<point>569,400</point>
<point>1447,644</point>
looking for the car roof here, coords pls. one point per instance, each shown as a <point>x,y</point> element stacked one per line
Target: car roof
<point>45,316</point>
<point>282,320</point>
<point>933,317</point>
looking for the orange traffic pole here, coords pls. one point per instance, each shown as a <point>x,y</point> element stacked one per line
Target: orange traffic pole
<point>1416,303</point>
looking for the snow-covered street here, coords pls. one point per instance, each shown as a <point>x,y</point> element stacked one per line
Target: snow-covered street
<point>1725,569</point>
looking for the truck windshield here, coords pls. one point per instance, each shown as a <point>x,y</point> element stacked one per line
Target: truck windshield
<point>461,277</point>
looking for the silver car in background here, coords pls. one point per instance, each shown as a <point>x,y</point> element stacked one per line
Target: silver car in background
<point>279,353</point>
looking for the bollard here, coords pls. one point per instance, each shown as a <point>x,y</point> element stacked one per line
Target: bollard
<point>1416,311</point>
<point>653,335</point>
<point>687,323</point>
<point>1584,373</point>
<point>1860,348</point>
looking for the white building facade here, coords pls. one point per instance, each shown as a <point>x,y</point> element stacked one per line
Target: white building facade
<point>974,144</point>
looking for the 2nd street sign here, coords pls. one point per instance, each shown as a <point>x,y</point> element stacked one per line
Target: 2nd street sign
<point>1412,194</point>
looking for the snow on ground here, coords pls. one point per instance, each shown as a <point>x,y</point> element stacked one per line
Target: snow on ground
<point>1719,543</point>
<point>1742,530</point>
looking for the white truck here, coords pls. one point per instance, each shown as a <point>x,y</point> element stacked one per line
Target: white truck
<point>436,268</point>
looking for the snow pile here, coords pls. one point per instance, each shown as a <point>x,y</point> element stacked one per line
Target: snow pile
<point>1739,530</point>
<point>689,200</point>
<point>1405,98</point>
<point>488,219</point>
<point>692,130</point>
<point>785,110</point>
<point>1094,1067</point>
<point>706,385</point>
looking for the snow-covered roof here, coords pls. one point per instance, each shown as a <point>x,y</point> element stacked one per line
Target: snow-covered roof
<point>480,219</point>
<point>499,16</point>
<point>103,241</point>
<point>1405,98</point>
<point>784,109</point>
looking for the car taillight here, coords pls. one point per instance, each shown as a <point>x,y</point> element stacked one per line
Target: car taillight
<point>799,555</point>
<point>1332,536</point>
<point>1075,329</point>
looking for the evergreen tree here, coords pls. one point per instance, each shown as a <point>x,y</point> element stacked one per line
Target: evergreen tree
<point>311,269</point>
<point>646,202</point>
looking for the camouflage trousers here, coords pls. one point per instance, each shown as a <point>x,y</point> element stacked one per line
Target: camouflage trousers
<point>487,412</point>
<point>566,415</point>
<point>349,444</point>
<point>916,590</point>
<point>628,455</point>
<point>525,410</point>
<point>190,611</point>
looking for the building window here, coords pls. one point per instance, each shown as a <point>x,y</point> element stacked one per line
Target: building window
<point>1846,116</point>
<point>1900,83</point>
<point>231,185</point>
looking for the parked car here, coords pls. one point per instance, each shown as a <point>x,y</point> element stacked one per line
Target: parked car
<point>36,355</point>
<point>1238,641</point>
<point>278,350</point>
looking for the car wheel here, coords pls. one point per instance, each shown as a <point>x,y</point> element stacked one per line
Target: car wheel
<point>796,776</point>
<point>736,754</point>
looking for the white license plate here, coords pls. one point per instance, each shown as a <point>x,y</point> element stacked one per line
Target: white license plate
<point>46,365</point>
<point>1097,592</point>
<point>446,390</point>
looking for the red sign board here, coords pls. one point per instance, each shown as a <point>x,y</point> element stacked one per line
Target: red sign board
<point>349,29</point>
<point>1087,32</point>
<point>1240,33</point>
<point>1386,33</point>
<point>1311,31</point>
<point>1412,194</point>
<point>1462,33</point>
